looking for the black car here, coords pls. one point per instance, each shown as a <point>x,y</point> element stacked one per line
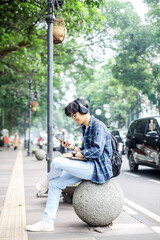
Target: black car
<point>120,135</point>
<point>143,143</point>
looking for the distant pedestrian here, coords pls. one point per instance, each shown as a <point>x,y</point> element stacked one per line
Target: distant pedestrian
<point>90,162</point>
<point>15,142</point>
<point>40,142</point>
<point>6,141</point>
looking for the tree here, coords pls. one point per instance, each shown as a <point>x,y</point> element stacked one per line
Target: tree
<point>136,64</point>
<point>137,48</point>
<point>106,90</point>
<point>23,48</point>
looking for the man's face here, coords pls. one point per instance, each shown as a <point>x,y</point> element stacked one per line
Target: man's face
<point>78,118</point>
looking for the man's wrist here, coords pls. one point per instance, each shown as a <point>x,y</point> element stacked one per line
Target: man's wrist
<point>74,147</point>
<point>74,153</point>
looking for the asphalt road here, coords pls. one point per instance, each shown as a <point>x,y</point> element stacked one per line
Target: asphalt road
<point>142,187</point>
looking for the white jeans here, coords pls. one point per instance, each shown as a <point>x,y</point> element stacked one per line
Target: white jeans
<point>64,172</point>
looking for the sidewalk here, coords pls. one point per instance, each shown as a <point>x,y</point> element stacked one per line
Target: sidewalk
<point>19,205</point>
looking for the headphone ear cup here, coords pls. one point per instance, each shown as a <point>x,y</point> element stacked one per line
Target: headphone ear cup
<point>84,110</point>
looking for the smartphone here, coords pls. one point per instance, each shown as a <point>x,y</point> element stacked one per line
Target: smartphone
<point>61,140</point>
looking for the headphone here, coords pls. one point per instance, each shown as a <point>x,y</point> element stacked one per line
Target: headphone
<point>82,109</point>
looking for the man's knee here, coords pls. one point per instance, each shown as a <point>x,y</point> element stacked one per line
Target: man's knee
<point>57,183</point>
<point>56,162</point>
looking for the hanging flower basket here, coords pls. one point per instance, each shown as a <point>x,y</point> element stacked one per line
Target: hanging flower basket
<point>35,104</point>
<point>33,109</point>
<point>59,31</point>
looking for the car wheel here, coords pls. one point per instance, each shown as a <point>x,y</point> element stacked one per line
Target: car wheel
<point>132,164</point>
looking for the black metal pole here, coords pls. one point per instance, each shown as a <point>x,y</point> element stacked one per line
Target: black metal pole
<point>24,130</point>
<point>29,137</point>
<point>50,19</point>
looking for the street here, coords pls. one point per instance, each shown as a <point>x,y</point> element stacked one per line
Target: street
<point>141,190</point>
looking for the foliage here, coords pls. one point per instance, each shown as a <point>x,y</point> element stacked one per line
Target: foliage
<point>137,61</point>
<point>23,50</point>
<point>93,27</point>
<point>135,68</point>
<point>103,90</point>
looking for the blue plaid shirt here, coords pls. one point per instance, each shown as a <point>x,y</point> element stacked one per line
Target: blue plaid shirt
<point>96,139</point>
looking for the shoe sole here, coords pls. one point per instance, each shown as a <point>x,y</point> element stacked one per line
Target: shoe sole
<point>31,230</point>
<point>39,230</point>
<point>41,189</point>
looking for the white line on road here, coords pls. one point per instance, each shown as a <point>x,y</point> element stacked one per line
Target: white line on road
<point>142,210</point>
<point>133,213</point>
<point>156,229</point>
<point>154,181</point>
<point>131,174</point>
<point>129,210</point>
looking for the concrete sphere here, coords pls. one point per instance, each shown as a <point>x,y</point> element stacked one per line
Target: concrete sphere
<point>40,154</point>
<point>98,204</point>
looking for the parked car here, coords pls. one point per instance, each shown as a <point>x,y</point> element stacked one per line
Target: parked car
<point>143,143</point>
<point>120,135</point>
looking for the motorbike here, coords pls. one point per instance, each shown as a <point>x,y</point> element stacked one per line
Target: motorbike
<point>41,143</point>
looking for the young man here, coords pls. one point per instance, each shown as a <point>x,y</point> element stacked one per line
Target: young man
<point>90,162</point>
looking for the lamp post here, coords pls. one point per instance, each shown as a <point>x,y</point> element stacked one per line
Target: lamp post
<point>32,95</point>
<point>19,95</point>
<point>29,153</point>
<point>25,119</point>
<point>50,19</point>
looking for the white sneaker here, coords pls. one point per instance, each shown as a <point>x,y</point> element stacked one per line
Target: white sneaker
<point>40,226</point>
<point>42,185</point>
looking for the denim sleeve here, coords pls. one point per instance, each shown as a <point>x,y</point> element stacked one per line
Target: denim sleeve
<point>99,141</point>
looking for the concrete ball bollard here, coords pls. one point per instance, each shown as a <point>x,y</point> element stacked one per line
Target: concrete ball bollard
<point>40,154</point>
<point>98,204</point>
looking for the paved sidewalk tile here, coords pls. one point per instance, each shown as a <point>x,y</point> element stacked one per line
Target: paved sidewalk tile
<point>13,218</point>
<point>7,160</point>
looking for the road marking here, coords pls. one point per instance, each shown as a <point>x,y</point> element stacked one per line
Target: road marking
<point>154,181</point>
<point>142,210</point>
<point>129,210</point>
<point>13,216</point>
<point>131,174</point>
<point>134,214</point>
<point>156,229</point>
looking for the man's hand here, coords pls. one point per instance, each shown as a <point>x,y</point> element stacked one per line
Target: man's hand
<point>68,144</point>
<point>67,155</point>
<point>70,155</point>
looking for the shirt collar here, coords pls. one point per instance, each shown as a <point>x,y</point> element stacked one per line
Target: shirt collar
<point>90,122</point>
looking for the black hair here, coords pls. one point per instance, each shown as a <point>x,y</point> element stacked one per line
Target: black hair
<point>74,107</point>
